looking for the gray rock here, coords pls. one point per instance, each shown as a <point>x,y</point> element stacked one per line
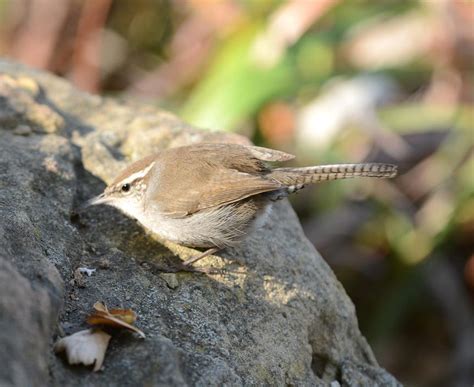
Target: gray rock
<point>278,316</point>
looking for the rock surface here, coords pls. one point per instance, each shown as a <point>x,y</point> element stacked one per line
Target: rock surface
<point>278,316</point>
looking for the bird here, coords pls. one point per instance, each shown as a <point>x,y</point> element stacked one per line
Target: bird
<point>213,195</point>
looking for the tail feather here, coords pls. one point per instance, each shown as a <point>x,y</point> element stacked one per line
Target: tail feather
<point>297,178</point>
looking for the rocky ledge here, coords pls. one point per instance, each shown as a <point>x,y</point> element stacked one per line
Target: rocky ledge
<point>276,316</point>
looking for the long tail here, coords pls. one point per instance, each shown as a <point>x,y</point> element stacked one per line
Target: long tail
<point>296,178</point>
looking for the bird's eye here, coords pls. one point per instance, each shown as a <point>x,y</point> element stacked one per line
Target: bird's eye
<point>125,187</point>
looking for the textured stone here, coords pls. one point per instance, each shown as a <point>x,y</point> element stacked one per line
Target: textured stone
<point>278,316</point>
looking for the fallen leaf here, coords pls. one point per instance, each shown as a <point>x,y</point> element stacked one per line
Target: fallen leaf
<point>85,347</point>
<point>118,318</point>
<point>126,315</point>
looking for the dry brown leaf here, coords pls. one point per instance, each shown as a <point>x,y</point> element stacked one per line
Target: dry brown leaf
<point>87,347</point>
<point>118,318</point>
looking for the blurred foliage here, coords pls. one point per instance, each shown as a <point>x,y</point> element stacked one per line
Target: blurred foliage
<point>331,81</point>
<point>235,85</point>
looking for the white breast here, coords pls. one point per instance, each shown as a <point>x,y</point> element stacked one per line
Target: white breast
<point>219,227</point>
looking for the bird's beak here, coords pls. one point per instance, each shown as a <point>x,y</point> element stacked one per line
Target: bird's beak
<point>101,199</point>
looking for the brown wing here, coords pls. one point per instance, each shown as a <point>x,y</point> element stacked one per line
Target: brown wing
<point>224,188</point>
<point>210,175</point>
<point>266,154</point>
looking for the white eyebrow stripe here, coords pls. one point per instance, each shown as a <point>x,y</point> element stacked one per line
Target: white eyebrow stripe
<point>139,174</point>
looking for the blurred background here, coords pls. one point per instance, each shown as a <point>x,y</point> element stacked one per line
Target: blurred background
<point>331,81</point>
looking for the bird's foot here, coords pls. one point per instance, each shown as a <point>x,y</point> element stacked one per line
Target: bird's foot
<point>198,257</point>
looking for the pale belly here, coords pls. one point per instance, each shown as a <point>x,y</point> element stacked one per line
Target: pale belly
<point>219,227</point>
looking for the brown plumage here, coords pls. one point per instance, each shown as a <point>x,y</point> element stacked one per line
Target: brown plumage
<point>212,195</point>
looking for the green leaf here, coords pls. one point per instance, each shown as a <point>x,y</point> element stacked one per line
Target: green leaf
<point>236,85</point>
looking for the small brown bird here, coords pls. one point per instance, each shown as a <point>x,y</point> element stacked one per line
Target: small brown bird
<point>213,195</point>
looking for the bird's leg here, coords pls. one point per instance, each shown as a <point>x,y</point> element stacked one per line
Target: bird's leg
<point>200,256</point>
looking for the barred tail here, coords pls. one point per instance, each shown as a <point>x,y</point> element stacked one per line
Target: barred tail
<point>296,178</point>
